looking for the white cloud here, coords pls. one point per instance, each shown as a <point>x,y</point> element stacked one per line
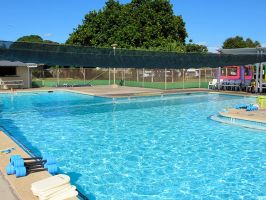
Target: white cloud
<point>263,44</point>
<point>47,34</point>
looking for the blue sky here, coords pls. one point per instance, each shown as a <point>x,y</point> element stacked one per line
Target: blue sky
<point>208,22</point>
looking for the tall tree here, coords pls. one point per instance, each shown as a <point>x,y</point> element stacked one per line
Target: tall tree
<point>145,24</point>
<point>239,42</point>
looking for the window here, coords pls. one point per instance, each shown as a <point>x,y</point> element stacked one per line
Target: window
<point>232,71</point>
<point>8,71</point>
<point>247,71</point>
<point>229,71</point>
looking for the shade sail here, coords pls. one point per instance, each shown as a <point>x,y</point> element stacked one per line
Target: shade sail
<point>79,56</point>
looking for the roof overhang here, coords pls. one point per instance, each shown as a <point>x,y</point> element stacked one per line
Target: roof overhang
<point>244,51</point>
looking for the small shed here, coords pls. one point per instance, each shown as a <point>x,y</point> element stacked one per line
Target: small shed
<point>15,74</point>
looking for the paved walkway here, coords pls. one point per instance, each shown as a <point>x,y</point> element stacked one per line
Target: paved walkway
<point>6,191</point>
<point>20,185</point>
<point>256,115</point>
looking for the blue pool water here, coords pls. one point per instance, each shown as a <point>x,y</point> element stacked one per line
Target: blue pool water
<point>142,148</point>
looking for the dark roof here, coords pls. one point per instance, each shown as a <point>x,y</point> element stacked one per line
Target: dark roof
<point>245,51</point>
<point>6,63</point>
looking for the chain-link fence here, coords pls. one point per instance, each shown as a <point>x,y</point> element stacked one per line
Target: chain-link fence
<point>148,78</point>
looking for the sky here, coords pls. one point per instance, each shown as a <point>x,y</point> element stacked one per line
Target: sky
<point>208,22</point>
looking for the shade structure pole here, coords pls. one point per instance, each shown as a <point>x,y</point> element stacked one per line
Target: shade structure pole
<point>124,77</point>
<point>57,76</point>
<point>142,77</point>
<point>172,75</point>
<point>219,78</point>
<point>205,75</point>
<point>199,78</point>
<point>84,75</point>
<point>183,78</point>
<point>257,76</point>
<point>109,76</point>
<point>261,74</point>
<point>114,76</point>
<point>29,74</point>
<point>165,80</point>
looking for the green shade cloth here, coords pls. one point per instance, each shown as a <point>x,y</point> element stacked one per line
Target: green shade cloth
<point>77,56</point>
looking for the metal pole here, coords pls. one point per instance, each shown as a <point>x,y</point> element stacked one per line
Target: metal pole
<point>172,75</point>
<point>28,77</point>
<point>261,74</point>
<point>84,76</point>
<point>142,77</point>
<point>124,77</point>
<point>57,77</point>
<point>152,75</point>
<point>137,75</point>
<point>205,76</point>
<point>257,76</point>
<point>219,78</point>
<point>199,78</point>
<point>109,76</point>
<point>114,76</point>
<point>183,78</point>
<point>165,79</point>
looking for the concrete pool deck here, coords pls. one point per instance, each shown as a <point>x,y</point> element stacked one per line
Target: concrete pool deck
<point>18,186</point>
<point>110,91</point>
<point>255,116</point>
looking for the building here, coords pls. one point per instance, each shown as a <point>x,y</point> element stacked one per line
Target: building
<point>15,74</point>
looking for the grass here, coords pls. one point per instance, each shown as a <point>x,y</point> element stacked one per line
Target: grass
<point>49,82</point>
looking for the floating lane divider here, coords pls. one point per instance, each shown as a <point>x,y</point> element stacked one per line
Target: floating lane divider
<point>22,167</point>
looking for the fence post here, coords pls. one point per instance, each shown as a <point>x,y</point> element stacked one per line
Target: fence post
<point>114,76</point>
<point>137,70</point>
<point>183,78</point>
<point>57,77</point>
<point>84,75</point>
<point>165,80</point>
<point>124,77</point>
<point>109,75</point>
<point>172,76</point>
<point>142,77</point>
<point>199,78</point>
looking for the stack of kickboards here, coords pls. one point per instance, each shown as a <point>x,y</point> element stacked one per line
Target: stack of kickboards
<point>54,188</point>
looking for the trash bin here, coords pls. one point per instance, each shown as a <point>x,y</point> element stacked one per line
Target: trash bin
<point>261,100</point>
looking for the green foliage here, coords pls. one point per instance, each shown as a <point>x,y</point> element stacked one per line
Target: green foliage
<point>239,42</point>
<point>141,24</point>
<point>35,38</point>
<point>30,38</point>
<point>192,48</point>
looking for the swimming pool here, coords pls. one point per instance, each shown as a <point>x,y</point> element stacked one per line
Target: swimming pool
<point>142,148</point>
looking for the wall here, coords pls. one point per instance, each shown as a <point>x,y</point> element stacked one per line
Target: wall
<point>22,74</point>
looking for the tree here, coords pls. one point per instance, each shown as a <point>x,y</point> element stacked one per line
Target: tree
<point>144,24</point>
<point>196,48</point>
<point>239,42</point>
<point>30,38</point>
<point>35,39</point>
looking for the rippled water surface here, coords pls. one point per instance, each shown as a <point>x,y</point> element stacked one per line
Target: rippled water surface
<point>142,148</point>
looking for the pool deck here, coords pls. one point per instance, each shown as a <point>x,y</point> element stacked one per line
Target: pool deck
<point>111,91</point>
<point>255,116</point>
<point>19,186</point>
